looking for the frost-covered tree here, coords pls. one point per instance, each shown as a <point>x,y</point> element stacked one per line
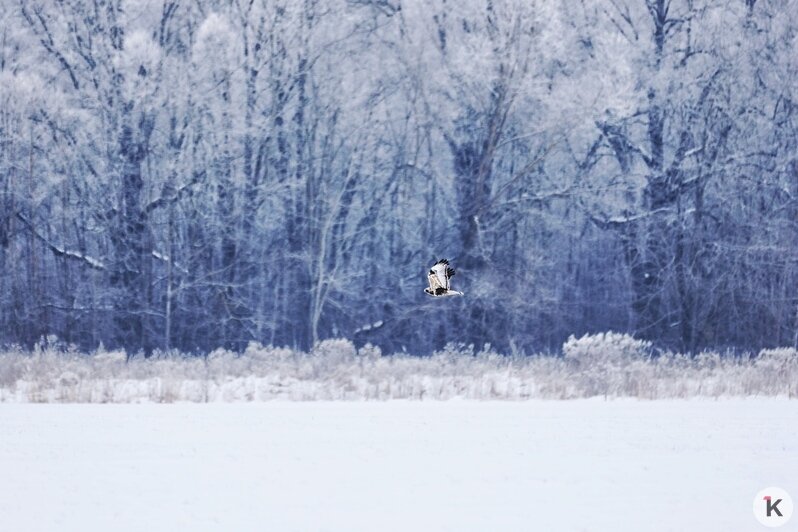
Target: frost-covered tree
<point>201,174</point>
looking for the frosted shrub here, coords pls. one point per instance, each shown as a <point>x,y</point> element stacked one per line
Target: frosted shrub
<point>780,368</point>
<point>102,357</point>
<point>607,365</point>
<point>335,360</point>
<point>605,348</point>
<point>369,352</point>
<point>68,378</point>
<point>218,354</point>
<point>259,352</point>
<point>335,349</point>
<point>707,360</point>
<point>783,356</point>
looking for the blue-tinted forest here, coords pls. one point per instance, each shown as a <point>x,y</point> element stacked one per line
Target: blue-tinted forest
<point>188,175</point>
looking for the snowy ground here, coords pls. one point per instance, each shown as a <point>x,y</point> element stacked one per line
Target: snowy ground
<point>457,465</point>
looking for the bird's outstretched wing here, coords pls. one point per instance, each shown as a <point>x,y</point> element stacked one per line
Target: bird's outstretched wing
<point>438,275</point>
<point>449,275</point>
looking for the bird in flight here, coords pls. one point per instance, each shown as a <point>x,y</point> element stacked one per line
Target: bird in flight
<point>438,278</point>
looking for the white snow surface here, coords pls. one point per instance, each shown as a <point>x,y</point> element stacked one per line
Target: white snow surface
<point>587,464</point>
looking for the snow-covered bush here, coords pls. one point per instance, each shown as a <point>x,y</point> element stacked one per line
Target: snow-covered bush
<point>781,357</point>
<point>605,348</point>
<point>335,349</point>
<point>779,366</point>
<point>370,352</point>
<point>608,365</point>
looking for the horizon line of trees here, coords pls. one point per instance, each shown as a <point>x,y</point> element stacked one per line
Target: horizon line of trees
<point>199,174</point>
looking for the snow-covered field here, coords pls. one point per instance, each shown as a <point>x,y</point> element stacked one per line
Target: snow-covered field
<point>397,465</point>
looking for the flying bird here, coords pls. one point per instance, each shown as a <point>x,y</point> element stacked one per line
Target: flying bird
<point>438,278</point>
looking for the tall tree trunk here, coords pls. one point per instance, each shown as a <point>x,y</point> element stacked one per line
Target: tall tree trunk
<point>133,244</point>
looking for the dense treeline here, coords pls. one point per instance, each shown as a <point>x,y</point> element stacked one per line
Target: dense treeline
<point>201,174</point>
